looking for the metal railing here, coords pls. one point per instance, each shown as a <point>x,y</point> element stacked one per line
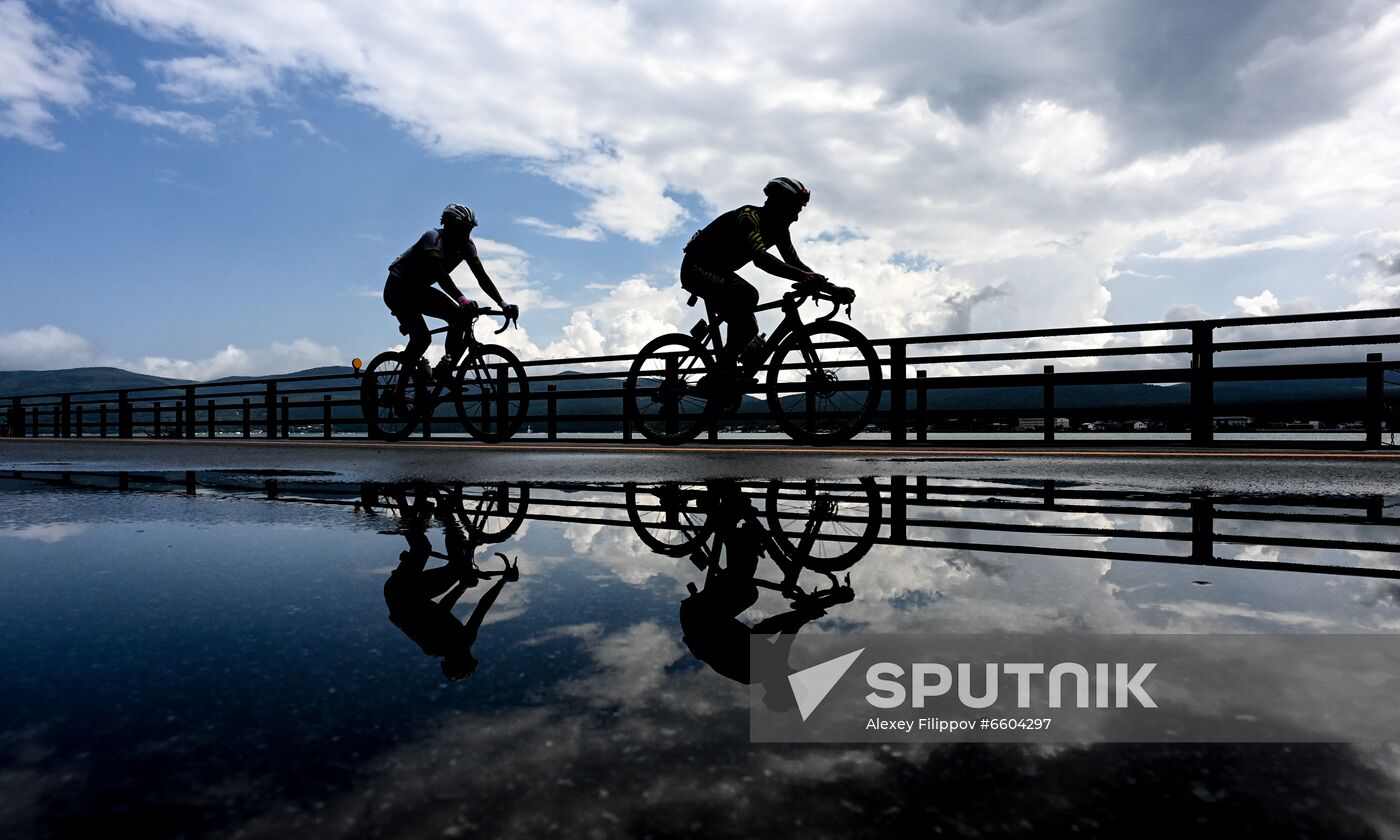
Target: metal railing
<point>586,394</point>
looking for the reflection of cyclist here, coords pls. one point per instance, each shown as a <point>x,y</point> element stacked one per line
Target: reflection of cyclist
<point>412,587</point>
<point>710,616</point>
<point>409,291</point>
<point>731,242</point>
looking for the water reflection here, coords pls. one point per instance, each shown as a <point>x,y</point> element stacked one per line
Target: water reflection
<point>239,676</point>
<point>420,599</point>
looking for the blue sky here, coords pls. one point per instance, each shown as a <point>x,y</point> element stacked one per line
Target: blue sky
<point>198,189</point>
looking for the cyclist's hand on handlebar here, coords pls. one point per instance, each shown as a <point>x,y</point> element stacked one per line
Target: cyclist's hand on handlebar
<point>512,312</point>
<point>466,302</point>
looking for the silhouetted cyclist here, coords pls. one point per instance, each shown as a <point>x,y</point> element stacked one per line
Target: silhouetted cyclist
<point>412,587</point>
<point>409,291</point>
<point>709,618</point>
<point>729,243</point>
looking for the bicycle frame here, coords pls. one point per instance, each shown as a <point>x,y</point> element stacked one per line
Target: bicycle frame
<point>792,321</point>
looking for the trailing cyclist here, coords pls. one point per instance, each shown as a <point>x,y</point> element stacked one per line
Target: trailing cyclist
<point>410,295</point>
<point>732,241</point>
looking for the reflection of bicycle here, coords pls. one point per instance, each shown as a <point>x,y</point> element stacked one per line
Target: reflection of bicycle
<point>822,526</point>
<point>822,385</point>
<point>490,512</point>
<point>488,385</point>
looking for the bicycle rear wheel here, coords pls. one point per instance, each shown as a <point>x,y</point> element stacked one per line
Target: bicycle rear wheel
<point>824,525</point>
<point>665,398</point>
<point>670,519</point>
<point>820,393</point>
<point>493,393</point>
<point>392,396</point>
<point>493,512</point>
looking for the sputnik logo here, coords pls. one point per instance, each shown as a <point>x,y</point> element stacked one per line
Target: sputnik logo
<point>811,685</point>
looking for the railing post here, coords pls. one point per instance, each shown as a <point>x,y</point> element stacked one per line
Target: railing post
<point>551,413</point>
<point>189,411</point>
<point>35,415</point>
<point>432,409</point>
<point>811,402</point>
<point>65,426</point>
<point>179,418</point>
<point>123,414</point>
<point>672,367</point>
<point>213,420</point>
<point>921,406</point>
<point>102,422</point>
<point>78,421</point>
<point>326,425</point>
<point>1375,400</point>
<point>247,417</point>
<point>899,495</point>
<point>1049,404</point>
<point>899,391</point>
<point>189,481</point>
<point>502,397</point>
<point>155,420</point>
<point>1202,385</point>
<point>286,418</point>
<point>1202,528</point>
<point>16,421</point>
<point>270,411</point>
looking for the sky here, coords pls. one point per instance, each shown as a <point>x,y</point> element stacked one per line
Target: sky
<point>201,188</point>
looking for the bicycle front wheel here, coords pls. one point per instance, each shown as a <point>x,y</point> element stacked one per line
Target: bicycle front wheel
<point>493,393</point>
<point>819,391</point>
<point>392,396</point>
<point>670,518</point>
<point>666,397</point>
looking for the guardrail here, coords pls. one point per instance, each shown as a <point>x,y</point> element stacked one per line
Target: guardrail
<point>1030,520</point>
<point>586,394</point>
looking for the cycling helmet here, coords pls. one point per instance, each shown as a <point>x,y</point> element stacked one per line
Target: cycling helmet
<point>789,189</point>
<point>457,214</point>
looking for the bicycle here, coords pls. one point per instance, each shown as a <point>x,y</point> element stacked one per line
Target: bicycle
<point>488,384</point>
<point>839,522</point>
<point>823,382</point>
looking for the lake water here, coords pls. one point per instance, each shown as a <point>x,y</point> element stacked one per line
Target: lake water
<point>259,657</point>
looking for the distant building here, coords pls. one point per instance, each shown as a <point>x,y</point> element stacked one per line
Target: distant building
<point>1234,422</point>
<point>1036,424</point>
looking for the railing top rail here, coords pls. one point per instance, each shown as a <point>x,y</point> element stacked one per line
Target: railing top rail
<point>178,389</point>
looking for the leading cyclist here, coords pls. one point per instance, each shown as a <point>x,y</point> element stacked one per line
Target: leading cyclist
<point>410,295</point>
<point>729,243</point>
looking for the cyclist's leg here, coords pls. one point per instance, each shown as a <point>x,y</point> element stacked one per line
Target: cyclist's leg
<point>406,308</point>
<point>734,299</point>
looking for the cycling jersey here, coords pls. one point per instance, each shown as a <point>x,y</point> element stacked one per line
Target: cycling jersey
<point>431,259</point>
<point>735,238</point>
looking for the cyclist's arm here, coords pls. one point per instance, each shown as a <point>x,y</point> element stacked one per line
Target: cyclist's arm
<point>789,253</point>
<point>483,280</point>
<point>773,265</point>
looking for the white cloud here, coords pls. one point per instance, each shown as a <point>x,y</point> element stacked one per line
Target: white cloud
<point>1030,151</point>
<point>1214,250</point>
<point>38,71</point>
<point>51,348</point>
<point>44,348</point>
<point>180,122</point>
<point>584,232</point>
<point>208,77</point>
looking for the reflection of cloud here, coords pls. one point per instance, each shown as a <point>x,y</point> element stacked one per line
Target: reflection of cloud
<point>51,533</point>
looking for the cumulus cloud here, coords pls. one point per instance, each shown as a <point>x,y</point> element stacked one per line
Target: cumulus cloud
<point>39,70</point>
<point>1028,175</point>
<point>43,348</point>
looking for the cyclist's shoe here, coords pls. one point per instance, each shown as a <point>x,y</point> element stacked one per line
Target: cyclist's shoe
<point>442,374</point>
<point>512,570</point>
<point>424,372</point>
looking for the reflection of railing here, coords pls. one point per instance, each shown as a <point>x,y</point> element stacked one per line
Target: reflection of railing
<point>910,513</point>
<point>592,399</point>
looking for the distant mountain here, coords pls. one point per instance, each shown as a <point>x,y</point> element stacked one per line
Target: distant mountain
<point>20,382</point>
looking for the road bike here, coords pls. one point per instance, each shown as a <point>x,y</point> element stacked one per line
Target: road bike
<point>823,526</point>
<point>823,377</point>
<point>488,385</point>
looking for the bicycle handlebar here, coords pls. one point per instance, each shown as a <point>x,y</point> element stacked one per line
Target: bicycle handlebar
<point>838,295</point>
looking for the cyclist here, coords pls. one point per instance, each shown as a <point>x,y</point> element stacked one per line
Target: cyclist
<point>410,295</point>
<point>729,243</point>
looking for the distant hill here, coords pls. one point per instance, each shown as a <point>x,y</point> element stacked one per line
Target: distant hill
<point>20,382</point>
